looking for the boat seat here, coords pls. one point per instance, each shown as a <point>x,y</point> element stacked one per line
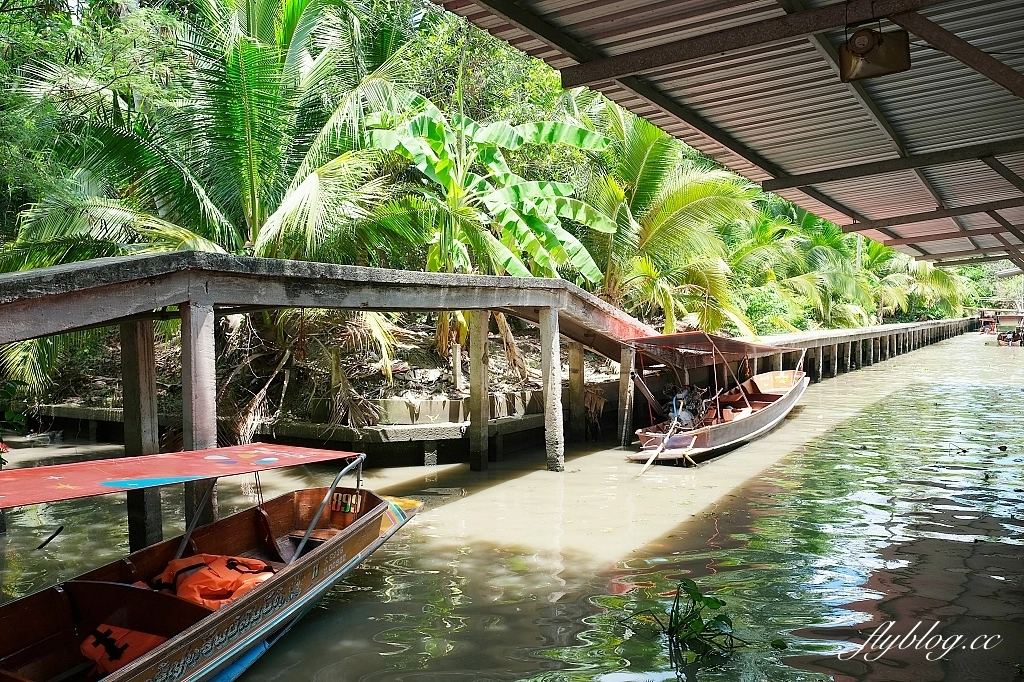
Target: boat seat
<point>318,534</point>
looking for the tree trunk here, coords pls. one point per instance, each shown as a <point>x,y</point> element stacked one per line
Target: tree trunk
<point>515,361</point>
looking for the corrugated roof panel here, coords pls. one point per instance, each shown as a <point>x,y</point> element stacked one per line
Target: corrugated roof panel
<point>784,101</point>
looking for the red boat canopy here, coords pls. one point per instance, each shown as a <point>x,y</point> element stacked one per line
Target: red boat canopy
<point>33,485</point>
<point>700,343</point>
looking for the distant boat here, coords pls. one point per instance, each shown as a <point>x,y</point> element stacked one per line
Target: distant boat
<point>702,423</point>
<point>140,619</point>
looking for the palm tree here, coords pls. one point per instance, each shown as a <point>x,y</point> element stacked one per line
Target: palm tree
<point>263,153</point>
<point>666,254</point>
<point>900,283</point>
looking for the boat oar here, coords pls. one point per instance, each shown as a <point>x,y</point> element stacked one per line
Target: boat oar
<point>660,448</point>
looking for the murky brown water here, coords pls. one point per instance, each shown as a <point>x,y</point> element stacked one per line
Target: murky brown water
<point>897,504</point>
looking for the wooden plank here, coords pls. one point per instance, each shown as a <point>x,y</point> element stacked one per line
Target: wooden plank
<point>141,430</point>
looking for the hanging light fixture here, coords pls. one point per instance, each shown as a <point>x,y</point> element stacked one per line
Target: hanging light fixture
<point>869,53</point>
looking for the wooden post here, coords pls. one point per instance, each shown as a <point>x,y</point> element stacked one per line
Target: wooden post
<point>869,358</point>
<point>479,399</point>
<point>819,364</point>
<point>141,431</point>
<point>554,435</point>
<point>776,361</point>
<point>458,379</point>
<point>753,366</point>
<point>847,359</point>
<point>198,399</point>
<point>577,406</point>
<point>723,375</point>
<point>627,358</point>
<point>858,353</point>
<point>429,453</point>
<point>833,361</point>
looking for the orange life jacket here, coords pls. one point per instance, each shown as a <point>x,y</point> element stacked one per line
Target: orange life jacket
<point>113,648</point>
<point>212,580</point>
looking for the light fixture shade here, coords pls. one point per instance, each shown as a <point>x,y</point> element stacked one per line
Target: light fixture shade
<point>869,53</point>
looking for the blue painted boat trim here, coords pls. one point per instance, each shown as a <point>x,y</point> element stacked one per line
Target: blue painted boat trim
<point>254,648</point>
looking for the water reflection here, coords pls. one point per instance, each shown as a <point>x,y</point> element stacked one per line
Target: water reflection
<point>910,512</point>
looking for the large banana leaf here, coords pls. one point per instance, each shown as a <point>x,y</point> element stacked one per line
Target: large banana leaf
<point>556,132</point>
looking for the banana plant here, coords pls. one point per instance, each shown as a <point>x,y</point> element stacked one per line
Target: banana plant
<point>481,215</point>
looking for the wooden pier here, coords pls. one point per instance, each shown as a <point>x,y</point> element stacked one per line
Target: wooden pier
<point>198,287</point>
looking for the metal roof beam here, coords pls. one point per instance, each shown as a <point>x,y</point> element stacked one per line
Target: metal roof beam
<point>961,50</point>
<point>940,236</point>
<point>969,261</point>
<point>933,215</point>
<point>1007,174</point>
<point>859,93</point>
<point>946,156</point>
<point>1007,225</point>
<point>965,252</point>
<point>539,29</point>
<point>555,38</point>
<point>1015,255</point>
<point>796,25</point>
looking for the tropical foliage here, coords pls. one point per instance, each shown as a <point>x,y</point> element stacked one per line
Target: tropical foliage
<point>390,133</point>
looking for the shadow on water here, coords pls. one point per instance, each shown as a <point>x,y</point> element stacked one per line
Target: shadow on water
<point>909,513</point>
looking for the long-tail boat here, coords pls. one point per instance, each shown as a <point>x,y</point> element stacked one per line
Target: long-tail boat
<point>202,606</point>
<point>700,423</point>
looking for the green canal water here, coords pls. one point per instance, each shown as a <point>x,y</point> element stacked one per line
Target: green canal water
<point>911,510</point>
<point>916,500</point>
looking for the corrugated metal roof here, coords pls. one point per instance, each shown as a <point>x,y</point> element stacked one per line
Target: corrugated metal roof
<point>783,110</point>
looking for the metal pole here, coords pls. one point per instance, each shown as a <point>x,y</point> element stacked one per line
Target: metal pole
<point>327,498</point>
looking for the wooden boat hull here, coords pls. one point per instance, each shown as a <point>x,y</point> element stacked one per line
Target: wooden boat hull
<point>218,645</point>
<point>709,441</point>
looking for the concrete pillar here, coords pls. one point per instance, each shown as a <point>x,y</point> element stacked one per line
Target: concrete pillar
<point>858,353</point>
<point>818,364</point>
<point>479,400</point>
<point>723,375</point>
<point>627,359</point>
<point>776,362</point>
<point>752,366</point>
<point>458,379</point>
<point>869,358</point>
<point>847,356</point>
<point>198,398</point>
<point>577,406</point>
<point>141,431</point>
<point>551,359</point>
<point>833,365</point>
